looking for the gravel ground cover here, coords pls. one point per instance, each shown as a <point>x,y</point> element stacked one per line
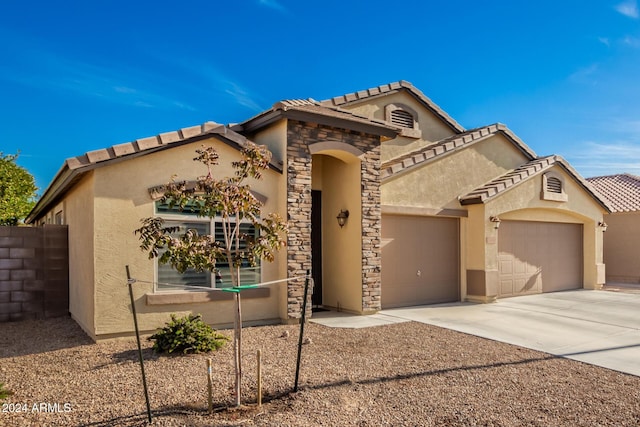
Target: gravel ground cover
<point>406,374</point>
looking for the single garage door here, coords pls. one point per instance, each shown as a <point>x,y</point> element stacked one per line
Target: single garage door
<point>535,257</point>
<point>420,260</point>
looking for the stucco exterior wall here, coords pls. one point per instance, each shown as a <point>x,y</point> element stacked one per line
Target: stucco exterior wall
<point>275,138</point>
<point>524,203</point>
<point>79,214</point>
<point>342,247</point>
<point>121,200</point>
<point>621,253</point>
<point>432,128</point>
<point>438,185</point>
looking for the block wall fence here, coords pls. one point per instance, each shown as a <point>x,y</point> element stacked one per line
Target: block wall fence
<point>34,272</point>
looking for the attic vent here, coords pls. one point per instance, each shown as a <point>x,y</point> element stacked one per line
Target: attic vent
<point>402,118</point>
<point>554,185</point>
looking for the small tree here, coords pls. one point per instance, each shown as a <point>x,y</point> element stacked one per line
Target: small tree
<point>17,190</point>
<point>231,199</point>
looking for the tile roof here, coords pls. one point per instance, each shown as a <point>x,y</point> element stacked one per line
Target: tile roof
<point>151,143</point>
<point>621,190</point>
<point>524,172</point>
<point>390,88</point>
<point>74,167</point>
<point>507,181</point>
<point>448,146</point>
<point>312,110</point>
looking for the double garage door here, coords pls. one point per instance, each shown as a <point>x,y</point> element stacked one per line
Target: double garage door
<point>536,257</point>
<point>420,260</point>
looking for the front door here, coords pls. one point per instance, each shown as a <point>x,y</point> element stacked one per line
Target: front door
<point>316,246</point>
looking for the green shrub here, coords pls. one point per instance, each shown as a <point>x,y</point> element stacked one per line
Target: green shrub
<point>187,334</point>
<point>4,393</point>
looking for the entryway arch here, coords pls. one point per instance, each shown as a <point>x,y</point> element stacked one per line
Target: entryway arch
<point>336,184</point>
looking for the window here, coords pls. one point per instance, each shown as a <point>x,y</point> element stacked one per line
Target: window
<point>170,279</point>
<point>58,219</point>
<point>404,117</point>
<point>553,187</point>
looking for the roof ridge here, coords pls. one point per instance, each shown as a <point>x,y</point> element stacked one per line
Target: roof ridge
<point>436,149</point>
<point>508,180</point>
<point>615,175</point>
<point>390,87</point>
<point>143,144</point>
<point>310,102</point>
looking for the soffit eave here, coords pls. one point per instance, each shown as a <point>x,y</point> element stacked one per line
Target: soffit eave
<point>270,117</point>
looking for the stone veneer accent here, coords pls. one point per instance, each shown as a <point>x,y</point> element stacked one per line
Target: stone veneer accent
<point>299,136</point>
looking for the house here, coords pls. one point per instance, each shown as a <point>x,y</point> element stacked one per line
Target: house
<point>621,254</point>
<point>433,213</point>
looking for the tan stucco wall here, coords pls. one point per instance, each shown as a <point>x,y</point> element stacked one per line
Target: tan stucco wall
<point>275,138</point>
<point>121,200</point>
<point>524,203</point>
<point>431,126</point>
<point>621,253</point>
<point>78,214</point>
<point>342,247</point>
<point>438,184</point>
<point>436,187</point>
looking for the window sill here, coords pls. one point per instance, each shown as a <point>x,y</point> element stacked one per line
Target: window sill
<point>166,298</point>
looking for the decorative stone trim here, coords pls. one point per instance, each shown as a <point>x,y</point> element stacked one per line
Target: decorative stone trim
<point>300,136</point>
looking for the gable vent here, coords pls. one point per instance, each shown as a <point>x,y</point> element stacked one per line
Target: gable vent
<point>402,118</point>
<point>554,185</point>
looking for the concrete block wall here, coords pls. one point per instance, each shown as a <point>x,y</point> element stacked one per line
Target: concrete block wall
<point>34,272</point>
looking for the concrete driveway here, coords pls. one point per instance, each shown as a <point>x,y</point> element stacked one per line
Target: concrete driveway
<point>596,327</point>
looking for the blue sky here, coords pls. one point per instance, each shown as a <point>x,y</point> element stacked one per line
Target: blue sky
<point>77,76</point>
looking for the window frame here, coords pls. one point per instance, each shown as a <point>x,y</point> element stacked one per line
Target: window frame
<point>190,217</point>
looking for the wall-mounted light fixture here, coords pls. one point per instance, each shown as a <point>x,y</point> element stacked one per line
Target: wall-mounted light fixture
<point>496,221</point>
<point>342,217</point>
<point>603,225</point>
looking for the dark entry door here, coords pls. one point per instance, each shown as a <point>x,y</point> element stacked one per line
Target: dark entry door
<point>316,246</point>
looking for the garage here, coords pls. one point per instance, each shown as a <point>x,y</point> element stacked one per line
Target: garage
<point>420,260</point>
<point>535,257</point>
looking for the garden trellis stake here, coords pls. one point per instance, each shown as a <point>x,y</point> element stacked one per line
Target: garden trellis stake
<point>130,282</point>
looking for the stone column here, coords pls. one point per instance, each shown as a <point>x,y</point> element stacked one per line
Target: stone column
<point>299,137</point>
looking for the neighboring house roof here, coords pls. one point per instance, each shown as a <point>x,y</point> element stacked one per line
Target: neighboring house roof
<point>621,190</point>
<point>74,167</point>
<point>449,145</point>
<point>521,174</point>
<point>312,111</point>
<point>383,90</point>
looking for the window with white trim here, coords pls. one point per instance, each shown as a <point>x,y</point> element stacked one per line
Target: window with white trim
<point>170,279</point>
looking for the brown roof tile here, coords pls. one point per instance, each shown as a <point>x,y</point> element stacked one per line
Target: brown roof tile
<point>622,191</point>
<point>524,172</point>
<point>143,144</point>
<point>450,145</point>
<point>392,87</point>
<point>507,181</point>
<point>75,166</point>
